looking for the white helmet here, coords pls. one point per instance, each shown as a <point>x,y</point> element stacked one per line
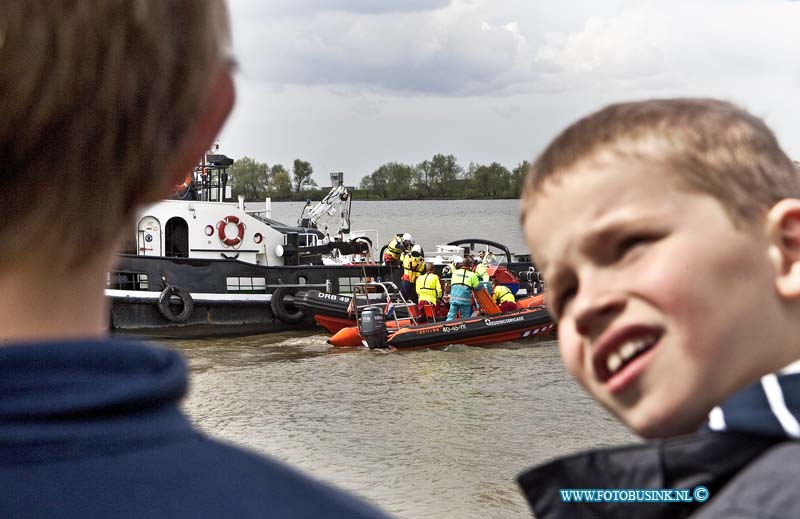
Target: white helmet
<point>457,260</point>
<point>407,237</point>
<point>416,250</point>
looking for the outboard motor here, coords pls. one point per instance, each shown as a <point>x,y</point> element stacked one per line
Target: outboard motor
<point>372,327</point>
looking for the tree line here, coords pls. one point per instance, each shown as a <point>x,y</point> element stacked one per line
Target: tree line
<point>256,180</point>
<point>439,177</point>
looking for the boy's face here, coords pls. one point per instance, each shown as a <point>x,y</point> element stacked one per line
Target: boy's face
<point>663,305</point>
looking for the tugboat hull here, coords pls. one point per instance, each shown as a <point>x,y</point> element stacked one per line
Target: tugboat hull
<point>227,297</point>
<point>232,297</point>
<point>207,320</point>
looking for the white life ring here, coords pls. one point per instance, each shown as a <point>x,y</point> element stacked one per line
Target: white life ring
<point>222,226</point>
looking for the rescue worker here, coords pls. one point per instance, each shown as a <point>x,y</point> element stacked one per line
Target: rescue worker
<point>429,290</point>
<point>503,296</point>
<point>413,265</point>
<point>399,244</point>
<point>482,271</point>
<point>462,283</point>
<point>407,242</point>
<point>488,259</point>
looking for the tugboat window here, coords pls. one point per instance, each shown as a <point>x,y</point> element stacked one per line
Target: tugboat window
<point>247,284</point>
<point>176,238</point>
<point>346,284</point>
<point>127,281</point>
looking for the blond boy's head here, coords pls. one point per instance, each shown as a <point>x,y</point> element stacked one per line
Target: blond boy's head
<point>711,146</point>
<point>669,235</point>
<point>97,98</point>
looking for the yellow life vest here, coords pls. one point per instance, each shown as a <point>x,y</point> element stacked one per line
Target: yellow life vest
<point>464,276</point>
<point>482,272</point>
<point>502,294</point>
<point>412,267</point>
<point>429,288</point>
<point>393,249</point>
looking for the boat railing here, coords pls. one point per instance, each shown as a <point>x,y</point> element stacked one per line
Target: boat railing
<point>392,298</point>
<point>305,239</point>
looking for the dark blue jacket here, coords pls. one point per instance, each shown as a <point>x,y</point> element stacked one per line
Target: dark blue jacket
<point>747,456</point>
<point>93,429</point>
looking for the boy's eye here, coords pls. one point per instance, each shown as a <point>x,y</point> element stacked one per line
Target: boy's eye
<point>627,245</point>
<point>560,300</point>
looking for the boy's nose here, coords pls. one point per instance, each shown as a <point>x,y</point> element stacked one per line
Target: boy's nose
<point>594,307</point>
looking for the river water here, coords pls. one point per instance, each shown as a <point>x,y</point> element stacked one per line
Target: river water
<point>422,434</point>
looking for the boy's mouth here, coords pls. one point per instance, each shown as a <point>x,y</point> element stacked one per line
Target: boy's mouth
<point>619,349</point>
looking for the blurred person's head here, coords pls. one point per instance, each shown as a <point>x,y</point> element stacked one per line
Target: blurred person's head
<point>105,105</point>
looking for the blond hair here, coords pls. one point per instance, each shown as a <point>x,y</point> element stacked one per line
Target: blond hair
<point>713,147</point>
<point>95,96</point>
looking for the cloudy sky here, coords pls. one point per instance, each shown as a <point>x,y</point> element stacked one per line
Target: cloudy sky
<point>351,84</point>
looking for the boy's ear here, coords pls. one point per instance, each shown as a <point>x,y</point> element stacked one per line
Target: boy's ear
<point>783,232</point>
<point>200,138</point>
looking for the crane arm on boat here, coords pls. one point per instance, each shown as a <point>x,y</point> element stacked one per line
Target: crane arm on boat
<point>333,202</point>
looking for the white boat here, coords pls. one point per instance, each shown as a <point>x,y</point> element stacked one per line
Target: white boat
<point>200,264</point>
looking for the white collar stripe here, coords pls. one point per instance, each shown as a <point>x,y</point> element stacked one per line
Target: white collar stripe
<point>716,419</point>
<point>777,404</point>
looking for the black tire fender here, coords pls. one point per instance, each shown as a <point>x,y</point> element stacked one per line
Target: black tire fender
<point>285,310</point>
<point>166,309</point>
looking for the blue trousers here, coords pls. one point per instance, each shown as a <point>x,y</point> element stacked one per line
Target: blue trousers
<point>455,308</point>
